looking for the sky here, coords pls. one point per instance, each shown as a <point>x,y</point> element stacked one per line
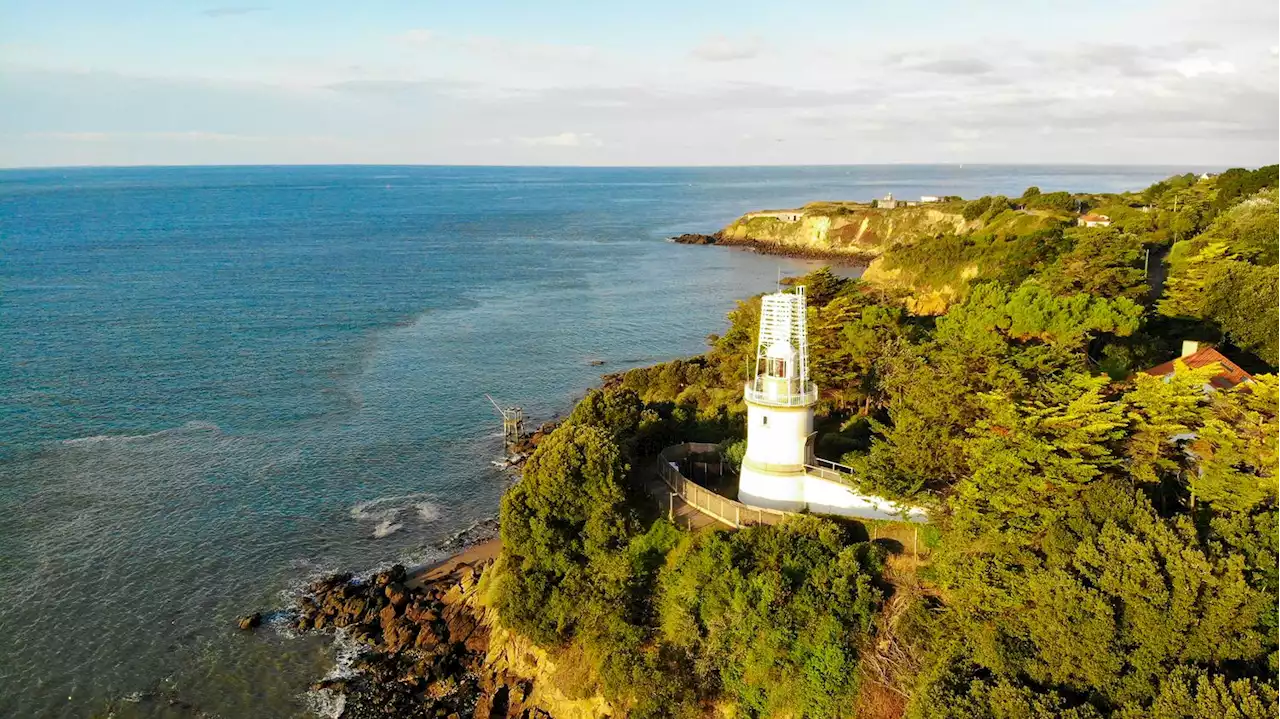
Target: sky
<point>643,83</point>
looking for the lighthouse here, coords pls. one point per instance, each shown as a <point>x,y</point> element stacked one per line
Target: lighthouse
<point>780,400</point>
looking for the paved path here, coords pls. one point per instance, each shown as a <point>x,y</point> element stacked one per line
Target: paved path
<point>681,513</point>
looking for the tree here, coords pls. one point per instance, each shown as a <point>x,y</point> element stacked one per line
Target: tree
<point>1164,413</point>
<point>774,614</point>
<point>1102,262</point>
<point>1195,694</point>
<point>1096,616</point>
<point>616,411</point>
<point>1235,455</point>
<point>1029,461</point>
<point>562,527</point>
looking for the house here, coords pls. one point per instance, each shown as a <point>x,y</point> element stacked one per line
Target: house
<point>1093,220</point>
<point>1195,356</point>
<point>925,199</point>
<point>888,203</point>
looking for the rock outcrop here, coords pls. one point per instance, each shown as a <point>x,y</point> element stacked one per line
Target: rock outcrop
<point>425,648</point>
<point>693,238</point>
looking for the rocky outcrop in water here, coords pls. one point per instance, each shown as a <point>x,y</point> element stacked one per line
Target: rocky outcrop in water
<point>424,648</point>
<point>693,238</point>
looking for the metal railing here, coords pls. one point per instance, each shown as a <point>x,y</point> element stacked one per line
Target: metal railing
<point>833,471</point>
<point>801,397</point>
<point>721,508</point>
<point>736,514</point>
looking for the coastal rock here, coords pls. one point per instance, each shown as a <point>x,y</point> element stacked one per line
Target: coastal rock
<point>396,594</point>
<point>250,622</point>
<point>691,238</point>
<point>425,647</point>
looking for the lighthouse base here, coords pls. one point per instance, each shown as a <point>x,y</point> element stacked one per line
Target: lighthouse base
<point>775,488</point>
<point>801,489</point>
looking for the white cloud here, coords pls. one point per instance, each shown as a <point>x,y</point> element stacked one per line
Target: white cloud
<point>417,36</point>
<point>1196,66</point>
<point>564,139</point>
<point>180,136</point>
<point>231,11</point>
<point>723,49</point>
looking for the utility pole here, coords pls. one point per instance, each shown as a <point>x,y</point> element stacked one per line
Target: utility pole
<point>1175,218</point>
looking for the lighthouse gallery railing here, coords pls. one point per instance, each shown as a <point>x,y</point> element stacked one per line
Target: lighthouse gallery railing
<point>755,392</point>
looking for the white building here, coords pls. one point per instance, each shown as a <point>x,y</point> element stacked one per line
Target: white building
<point>925,199</point>
<point>779,469</point>
<point>888,203</point>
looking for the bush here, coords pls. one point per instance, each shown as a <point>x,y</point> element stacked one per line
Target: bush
<point>1059,201</point>
<point>774,614</point>
<point>975,209</point>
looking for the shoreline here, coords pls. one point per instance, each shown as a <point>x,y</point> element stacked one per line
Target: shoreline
<point>470,556</point>
<point>778,249</point>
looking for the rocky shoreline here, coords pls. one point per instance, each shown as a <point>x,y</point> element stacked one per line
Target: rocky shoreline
<point>422,645</point>
<point>765,247</point>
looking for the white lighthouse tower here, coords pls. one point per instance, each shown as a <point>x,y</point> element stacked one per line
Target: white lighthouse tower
<point>780,400</point>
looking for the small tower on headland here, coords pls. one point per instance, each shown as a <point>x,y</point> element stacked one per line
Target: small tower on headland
<point>780,400</point>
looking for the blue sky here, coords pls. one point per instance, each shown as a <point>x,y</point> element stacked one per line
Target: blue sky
<point>665,83</point>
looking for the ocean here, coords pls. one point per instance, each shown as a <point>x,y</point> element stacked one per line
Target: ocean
<point>220,382</point>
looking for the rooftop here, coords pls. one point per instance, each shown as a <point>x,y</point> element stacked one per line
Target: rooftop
<point>1230,376</point>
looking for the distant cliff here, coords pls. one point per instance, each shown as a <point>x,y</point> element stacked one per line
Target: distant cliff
<point>855,230</point>
<point>929,252</point>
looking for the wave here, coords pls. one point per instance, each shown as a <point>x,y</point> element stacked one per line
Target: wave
<point>385,511</point>
<point>189,427</point>
<point>331,703</point>
<point>386,528</point>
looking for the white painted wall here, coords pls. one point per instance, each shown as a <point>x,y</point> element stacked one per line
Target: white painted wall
<point>827,497</point>
<point>777,436</point>
<point>771,489</point>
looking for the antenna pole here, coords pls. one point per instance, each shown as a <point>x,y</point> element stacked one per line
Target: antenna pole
<point>494,402</point>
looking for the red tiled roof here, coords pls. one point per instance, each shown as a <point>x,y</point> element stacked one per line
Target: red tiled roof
<point>1230,376</point>
<point>1094,218</point>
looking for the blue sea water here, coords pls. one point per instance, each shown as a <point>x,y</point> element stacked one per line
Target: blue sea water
<point>218,382</point>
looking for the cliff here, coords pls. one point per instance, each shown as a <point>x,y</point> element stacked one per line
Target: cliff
<point>842,229</point>
<point>929,254</point>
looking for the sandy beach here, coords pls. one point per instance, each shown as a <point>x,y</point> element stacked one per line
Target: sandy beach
<point>485,551</point>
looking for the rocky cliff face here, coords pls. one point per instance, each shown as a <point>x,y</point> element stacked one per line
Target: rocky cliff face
<point>433,650</point>
<point>842,230</point>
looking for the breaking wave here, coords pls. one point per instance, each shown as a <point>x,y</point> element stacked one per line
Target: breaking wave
<point>386,528</point>
<point>385,512</point>
<point>331,703</point>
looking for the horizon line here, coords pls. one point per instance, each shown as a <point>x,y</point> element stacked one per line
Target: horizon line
<point>143,166</point>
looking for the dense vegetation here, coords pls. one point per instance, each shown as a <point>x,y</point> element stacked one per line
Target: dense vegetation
<point>1108,541</point>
